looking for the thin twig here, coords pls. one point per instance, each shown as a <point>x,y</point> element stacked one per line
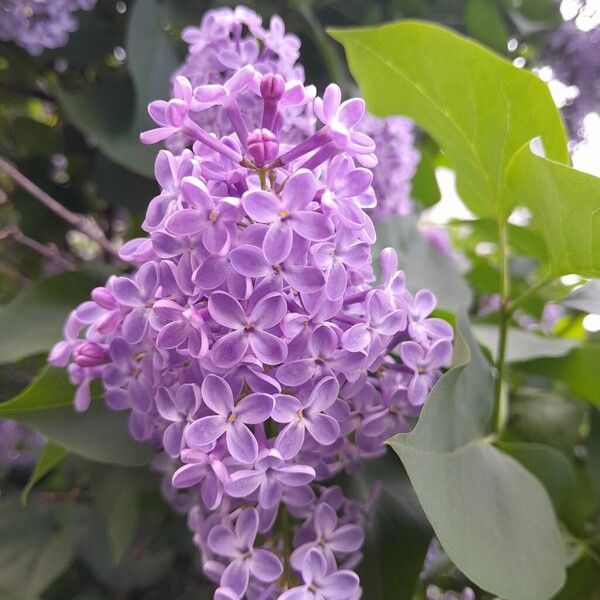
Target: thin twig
<point>77,221</point>
<point>50,252</point>
<point>11,273</point>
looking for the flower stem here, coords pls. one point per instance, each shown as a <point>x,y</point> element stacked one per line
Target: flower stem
<point>536,287</point>
<point>499,413</point>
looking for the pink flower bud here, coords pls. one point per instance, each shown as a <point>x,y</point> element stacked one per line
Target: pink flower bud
<point>89,354</point>
<point>262,146</point>
<point>272,86</point>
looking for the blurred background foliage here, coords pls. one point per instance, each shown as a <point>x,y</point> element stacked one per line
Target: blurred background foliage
<point>69,121</point>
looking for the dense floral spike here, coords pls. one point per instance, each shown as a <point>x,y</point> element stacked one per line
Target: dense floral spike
<point>36,25</point>
<point>251,344</point>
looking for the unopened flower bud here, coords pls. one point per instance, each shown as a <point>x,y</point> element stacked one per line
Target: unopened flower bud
<point>89,354</point>
<point>272,86</point>
<point>262,146</point>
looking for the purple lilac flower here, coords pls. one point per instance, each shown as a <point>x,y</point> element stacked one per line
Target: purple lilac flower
<point>574,56</point>
<point>36,25</point>
<point>18,446</point>
<point>251,344</point>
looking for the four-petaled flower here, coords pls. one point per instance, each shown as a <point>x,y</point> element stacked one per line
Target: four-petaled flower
<point>229,419</point>
<point>249,331</point>
<point>238,547</point>
<point>321,582</point>
<point>288,215</point>
<point>306,416</point>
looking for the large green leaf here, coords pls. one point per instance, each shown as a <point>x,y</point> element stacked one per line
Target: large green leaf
<point>152,58</point>
<point>50,456</point>
<point>492,517</point>
<point>523,345</point>
<point>579,370</point>
<point>36,546</point>
<point>477,106</point>
<point>115,491</point>
<point>586,298</point>
<point>545,417</point>
<point>566,208</point>
<point>33,321</point>
<point>392,569</point>
<point>423,266</point>
<point>146,562</point>
<point>485,22</point>
<point>549,465</point>
<point>98,434</point>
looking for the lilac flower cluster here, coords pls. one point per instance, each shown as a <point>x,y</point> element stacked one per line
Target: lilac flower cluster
<point>18,445</point>
<point>574,56</point>
<point>251,344</point>
<point>37,25</point>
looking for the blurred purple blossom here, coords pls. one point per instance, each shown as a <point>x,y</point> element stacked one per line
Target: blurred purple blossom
<point>38,25</point>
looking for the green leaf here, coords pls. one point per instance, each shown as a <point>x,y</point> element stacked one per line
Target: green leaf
<point>586,298</point>
<point>392,569</point>
<point>579,370</point>
<point>523,345</point>
<point>32,323</point>
<point>594,448</point>
<point>36,546</point>
<point>50,456</point>
<point>115,492</point>
<point>492,517</point>
<point>144,565</point>
<point>484,22</point>
<point>98,434</point>
<point>423,266</point>
<point>549,465</point>
<point>583,580</point>
<point>404,68</point>
<point>152,59</point>
<point>566,207</point>
<point>545,417</point>
<point>425,189</point>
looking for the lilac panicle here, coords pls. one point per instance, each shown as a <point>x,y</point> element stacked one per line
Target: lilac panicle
<point>36,25</point>
<point>574,56</point>
<point>251,344</point>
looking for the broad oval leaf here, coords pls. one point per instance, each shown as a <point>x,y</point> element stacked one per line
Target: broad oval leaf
<point>586,298</point>
<point>50,456</point>
<point>523,345</point>
<point>477,106</point>
<point>551,466</point>
<point>578,369</point>
<point>36,546</point>
<point>152,58</point>
<point>98,434</point>
<point>566,207</point>
<point>32,323</point>
<point>422,264</point>
<point>493,518</point>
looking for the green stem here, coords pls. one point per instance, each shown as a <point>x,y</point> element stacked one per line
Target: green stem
<point>499,408</point>
<point>512,306</point>
<point>334,65</point>
<point>262,177</point>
